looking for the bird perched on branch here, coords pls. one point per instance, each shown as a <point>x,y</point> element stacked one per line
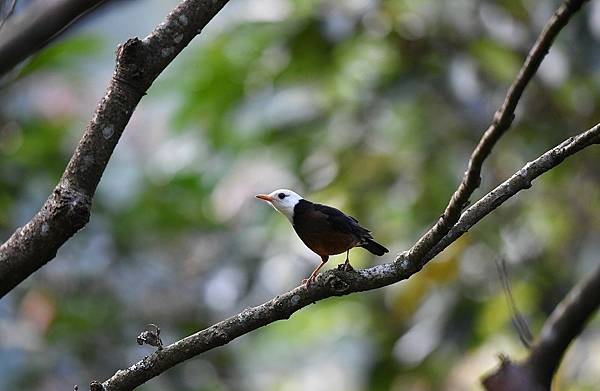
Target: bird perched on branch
<point>323,229</point>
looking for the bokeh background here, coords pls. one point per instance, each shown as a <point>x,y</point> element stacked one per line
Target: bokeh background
<point>371,106</point>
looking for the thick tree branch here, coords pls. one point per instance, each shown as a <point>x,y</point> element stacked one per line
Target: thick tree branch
<point>502,121</point>
<point>564,324</point>
<point>32,29</point>
<point>338,282</point>
<point>139,62</point>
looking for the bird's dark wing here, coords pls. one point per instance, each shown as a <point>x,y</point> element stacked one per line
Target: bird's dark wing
<point>356,221</point>
<point>341,222</point>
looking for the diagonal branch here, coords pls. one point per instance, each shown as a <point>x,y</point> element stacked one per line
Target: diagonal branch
<point>502,121</point>
<point>6,11</point>
<point>34,28</point>
<point>519,181</point>
<point>338,282</point>
<point>564,325</point>
<point>139,62</point>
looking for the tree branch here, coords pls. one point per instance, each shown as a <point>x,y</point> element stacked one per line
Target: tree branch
<point>502,121</point>
<point>139,62</point>
<point>564,324</point>
<point>6,11</point>
<point>519,181</point>
<point>38,25</point>
<point>338,282</point>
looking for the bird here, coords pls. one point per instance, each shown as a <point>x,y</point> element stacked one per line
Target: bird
<point>323,229</point>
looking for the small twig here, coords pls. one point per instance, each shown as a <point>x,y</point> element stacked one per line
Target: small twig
<point>338,282</point>
<point>502,121</point>
<point>562,326</point>
<point>519,181</point>
<point>518,320</point>
<point>150,337</point>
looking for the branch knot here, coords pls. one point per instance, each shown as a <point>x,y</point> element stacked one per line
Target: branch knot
<point>130,70</point>
<point>96,386</point>
<point>336,284</point>
<point>74,204</point>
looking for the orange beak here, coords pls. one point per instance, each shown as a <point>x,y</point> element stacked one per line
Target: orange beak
<point>265,197</point>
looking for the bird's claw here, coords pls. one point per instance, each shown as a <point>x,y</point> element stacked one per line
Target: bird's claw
<point>309,281</point>
<point>346,267</point>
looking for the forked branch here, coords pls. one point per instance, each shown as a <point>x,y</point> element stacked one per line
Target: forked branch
<point>502,121</point>
<point>139,62</point>
<point>338,282</point>
<point>564,325</point>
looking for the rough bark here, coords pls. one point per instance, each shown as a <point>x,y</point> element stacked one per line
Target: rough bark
<point>139,62</point>
<point>67,210</point>
<point>339,282</point>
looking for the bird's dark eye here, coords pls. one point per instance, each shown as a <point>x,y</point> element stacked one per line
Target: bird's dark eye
<point>281,196</point>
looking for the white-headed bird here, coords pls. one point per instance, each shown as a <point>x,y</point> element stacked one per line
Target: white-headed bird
<point>323,229</point>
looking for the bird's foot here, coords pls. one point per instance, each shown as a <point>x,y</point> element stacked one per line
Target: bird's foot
<point>309,281</point>
<point>346,267</point>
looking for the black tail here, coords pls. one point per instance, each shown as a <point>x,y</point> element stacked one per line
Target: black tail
<point>374,247</point>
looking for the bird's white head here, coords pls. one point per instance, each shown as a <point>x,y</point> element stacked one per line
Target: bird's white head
<point>283,200</point>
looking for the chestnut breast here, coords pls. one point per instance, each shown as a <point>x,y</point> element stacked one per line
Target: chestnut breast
<point>325,230</point>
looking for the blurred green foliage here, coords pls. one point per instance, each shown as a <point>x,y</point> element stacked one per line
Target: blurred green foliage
<point>371,106</point>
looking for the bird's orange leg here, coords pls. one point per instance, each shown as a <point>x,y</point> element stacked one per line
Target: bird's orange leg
<point>346,265</point>
<point>313,275</point>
